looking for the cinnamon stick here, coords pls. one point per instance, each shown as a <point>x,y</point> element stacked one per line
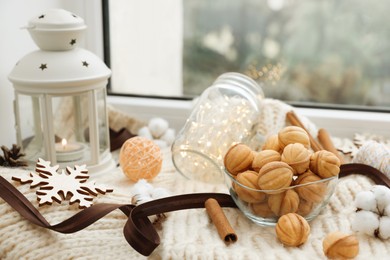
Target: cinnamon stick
<point>326,142</point>
<point>220,221</point>
<point>294,120</point>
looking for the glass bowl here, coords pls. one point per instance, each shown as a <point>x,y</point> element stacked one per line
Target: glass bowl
<point>264,207</point>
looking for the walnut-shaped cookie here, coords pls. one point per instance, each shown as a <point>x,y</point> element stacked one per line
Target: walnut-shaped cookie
<point>249,180</point>
<point>238,158</point>
<point>292,229</point>
<point>272,143</point>
<point>262,209</point>
<point>297,156</point>
<point>283,203</point>
<point>310,188</point>
<point>325,164</point>
<point>305,207</point>
<point>275,176</point>
<point>293,134</point>
<point>339,245</point>
<point>263,157</point>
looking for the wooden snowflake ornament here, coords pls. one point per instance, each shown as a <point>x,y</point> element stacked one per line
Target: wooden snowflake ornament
<point>56,186</point>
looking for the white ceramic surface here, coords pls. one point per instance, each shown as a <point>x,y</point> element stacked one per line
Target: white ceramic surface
<point>56,30</point>
<point>50,70</point>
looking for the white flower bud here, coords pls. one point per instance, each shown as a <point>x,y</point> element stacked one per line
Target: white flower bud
<point>384,227</point>
<point>365,200</point>
<point>365,222</point>
<point>382,196</point>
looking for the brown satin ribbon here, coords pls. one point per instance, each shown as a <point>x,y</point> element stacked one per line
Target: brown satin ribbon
<point>358,168</point>
<point>138,230</point>
<point>118,138</point>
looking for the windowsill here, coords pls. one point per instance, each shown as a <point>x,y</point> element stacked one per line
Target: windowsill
<point>340,123</point>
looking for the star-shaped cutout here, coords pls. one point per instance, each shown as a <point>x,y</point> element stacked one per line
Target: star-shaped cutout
<point>43,66</point>
<point>72,42</point>
<point>41,16</point>
<point>85,64</point>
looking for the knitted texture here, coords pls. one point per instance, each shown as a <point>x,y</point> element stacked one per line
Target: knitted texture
<point>375,154</point>
<point>273,118</point>
<point>185,234</point>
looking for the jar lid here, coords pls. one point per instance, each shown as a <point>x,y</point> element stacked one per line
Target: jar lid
<point>56,19</point>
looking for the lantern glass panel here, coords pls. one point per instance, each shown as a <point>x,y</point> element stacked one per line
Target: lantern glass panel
<point>71,128</point>
<point>102,120</point>
<point>29,122</point>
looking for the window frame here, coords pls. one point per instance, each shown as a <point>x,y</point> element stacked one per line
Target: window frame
<point>342,122</point>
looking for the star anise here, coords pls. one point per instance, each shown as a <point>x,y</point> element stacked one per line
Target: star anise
<point>12,157</point>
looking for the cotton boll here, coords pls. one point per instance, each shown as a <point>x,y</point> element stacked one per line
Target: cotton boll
<point>142,187</point>
<point>386,212</point>
<point>138,199</point>
<point>365,222</point>
<point>145,132</point>
<point>384,227</point>
<point>159,193</point>
<point>141,192</point>
<point>161,143</point>
<point>169,136</point>
<point>158,126</point>
<point>382,196</point>
<point>365,200</point>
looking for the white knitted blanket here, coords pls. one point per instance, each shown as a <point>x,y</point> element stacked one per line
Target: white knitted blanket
<point>186,234</point>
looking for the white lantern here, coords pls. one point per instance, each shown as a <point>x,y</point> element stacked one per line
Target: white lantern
<point>60,96</point>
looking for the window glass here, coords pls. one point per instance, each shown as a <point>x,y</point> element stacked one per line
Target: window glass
<point>29,117</point>
<point>327,52</point>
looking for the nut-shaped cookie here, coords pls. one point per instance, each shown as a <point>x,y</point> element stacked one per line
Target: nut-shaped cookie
<point>293,134</point>
<point>305,207</point>
<point>275,176</point>
<point>263,157</point>
<point>283,203</point>
<point>249,180</point>
<point>272,143</point>
<point>262,209</point>
<point>238,158</point>
<point>337,245</point>
<point>325,164</point>
<point>310,191</point>
<point>292,229</point>
<point>297,156</point>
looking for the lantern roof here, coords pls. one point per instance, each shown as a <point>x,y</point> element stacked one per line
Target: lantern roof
<point>59,66</point>
<point>58,69</point>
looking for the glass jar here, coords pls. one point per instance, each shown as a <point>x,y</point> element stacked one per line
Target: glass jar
<point>226,113</point>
